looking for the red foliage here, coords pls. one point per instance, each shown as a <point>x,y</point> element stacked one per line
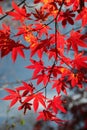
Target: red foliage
<point>14,96</point>
<point>65,72</point>
<point>67,17</point>
<point>19,13</point>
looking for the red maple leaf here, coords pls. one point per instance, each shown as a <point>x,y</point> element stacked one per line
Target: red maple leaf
<point>76,79</point>
<point>43,38</point>
<point>40,15</point>
<point>79,61</point>
<point>66,17</point>
<point>26,88</point>
<point>51,53</point>
<point>37,65</point>
<point>19,13</point>
<point>41,78</point>
<point>60,85</point>
<point>43,46</point>
<point>83,16</point>
<point>16,51</point>
<point>24,30</point>
<point>7,44</point>
<point>47,115</point>
<point>14,96</point>
<point>56,104</point>
<point>42,29</point>
<point>25,106</point>
<point>37,98</point>
<point>75,40</point>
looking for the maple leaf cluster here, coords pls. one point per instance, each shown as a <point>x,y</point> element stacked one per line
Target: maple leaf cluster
<point>43,39</point>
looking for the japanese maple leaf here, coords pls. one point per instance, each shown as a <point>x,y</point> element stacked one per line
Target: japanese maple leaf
<point>16,51</point>
<point>50,7</point>
<point>40,15</point>
<point>79,61</point>
<point>61,42</point>
<point>60,85</point>
<point>5,40</point>
<point>37,65</point>
<point>25,106</point>
<point>51,53</point>
<point>5,29</point>
<point>41,78</point>
<point>19,13</point>
<point>83,16</point>
<point>56,104</point>
<point>25,30</point>
<point>43,46</point>
<point>66,16</point>
<point>65,60</point>
<point>26,88</point>
<point>55,70</point>
<point>75,40</point>
<point>42,29</point>
<point>32,40</point>
<point>76,4</point>
<point>47,115</point>
<point>14,96</point>
<point>37,98</point>
<point>76,79</point>
<point>6,44</point>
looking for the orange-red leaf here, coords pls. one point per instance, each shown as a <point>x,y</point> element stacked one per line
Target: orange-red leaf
<point>19,13</point>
